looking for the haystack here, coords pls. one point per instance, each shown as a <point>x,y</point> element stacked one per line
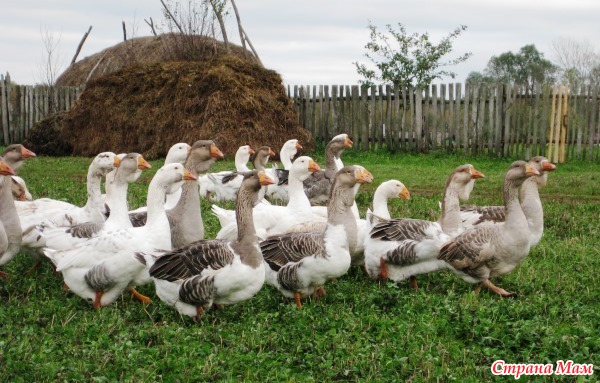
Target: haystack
<point>147,108</point>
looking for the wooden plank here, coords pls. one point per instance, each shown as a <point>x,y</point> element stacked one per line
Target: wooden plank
<point>301,100</point>
<point>481,126</point>
<point>20,132</point>
<point>434,117</point>
<point>9,92</point>
<point>4,111</point>
<point>30,103</point>
<point>426,130</point>
<point>595,119</point>
<point>365,118</point>
<point>451,119</point>
<point>500,106</point>
<point>506,125</point>
<point>535,150</point>
<point>514,133</point>
<point>491,127</point>
<point>326,118</point>
<point>443,131</point>
<point>557,125</point>
<point>411,126</point>
<point>356,114</point>
<point>381,116</point>
<point>419,140</point>
<point>313,113</point>
<point>389,117</point>
<point>459,102</point>
<point>403,127</point>
<point>473,131</point>
<point>334,112</point>
<point>563,125</point>
<point>584,91</point>
<point>466,117</point>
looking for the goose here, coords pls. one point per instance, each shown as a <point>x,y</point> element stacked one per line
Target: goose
<point>19,189</point>
<point>13,157</point>
<point>273,219</point>
<point>402,248</point>
<point>129,169</point>
<point>486,251</point>
<point>194,277</point>
<point>298,264</point>
<point>530,203</point>
<point>100,269</point>
<point>177,153</point>
<point>186,216</point>
<point>318,185</point>
<point>5,172</point>
<point>279,191</point>
<point>211,185</point>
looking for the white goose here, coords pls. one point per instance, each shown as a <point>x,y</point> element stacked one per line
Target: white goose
<point>487,251</point>
<point>102,268</point>
<point>530,203</point>
<point>402,248</point>
<point>279,191</point>
<point>19,189</point>
<point>5,172</point>
<point>212,186</point>
<point>298,264</point>
<point>273,219</point>
<point>193,278</point>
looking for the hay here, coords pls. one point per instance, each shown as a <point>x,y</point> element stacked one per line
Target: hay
<point>148,108</point>
<point>45,137</point>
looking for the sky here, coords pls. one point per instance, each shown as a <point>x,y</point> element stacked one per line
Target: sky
<point>308,42</point>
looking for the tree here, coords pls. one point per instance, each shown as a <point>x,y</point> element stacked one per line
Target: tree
<point>578,61</point>
<point>414,61</point>
<point>528,67</point>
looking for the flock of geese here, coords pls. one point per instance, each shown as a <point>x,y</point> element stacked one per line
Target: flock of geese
<point>103,249</point>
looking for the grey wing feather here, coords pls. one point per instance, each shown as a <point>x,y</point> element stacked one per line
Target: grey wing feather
<point>317,184</point>
<point>198,290</point>
<point>486,213</point>
<point>404,254</point>
<point>98,278</point>
<point>192,259</point>
<point>138,219</point>
<point>464,251</point>
<point>85,230</point>
<point>401,229</point>
<point>293,247</point>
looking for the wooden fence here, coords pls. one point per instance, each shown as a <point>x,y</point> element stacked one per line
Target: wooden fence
<point>500,120</point>
<point>21,106</point>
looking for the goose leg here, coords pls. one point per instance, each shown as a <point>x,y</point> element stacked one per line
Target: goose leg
<point>199,311</point>
<point>320,292</point>
<point>35,266</point>
<point>3,275</point>
<point>413,282</point>
<point>218,306</point>
<point>478,288</point>
<point>297,298</point>
<point>97,305</point>
<point>383,272</point>
<point>498,290</point>
<point>140,297</point>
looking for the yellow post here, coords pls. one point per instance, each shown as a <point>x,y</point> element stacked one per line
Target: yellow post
<point>558,123</point>
<point>549,153</point>
<point>563,135</point>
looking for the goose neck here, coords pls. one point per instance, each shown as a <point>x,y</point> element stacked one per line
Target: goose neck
<point>380,204</point>
<point>94,180</point>
<point>116,200</point>
<point>244,217</point>
<point>296,194</point>
<point>451,221</point>
<point>514,213</point>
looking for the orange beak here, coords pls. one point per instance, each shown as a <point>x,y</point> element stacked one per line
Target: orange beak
<point>6,170</point>
<point>348,143</point>
<point>143,164</point>
<point>264,179</point>
<point>251,151</point>
<point>26,153</point>
<point>548,166</point>
<point>298,146</point>
<point>313,166</point>
<point>215,152</point>
<point>187,176</point>
<point>363,176</point>
<point>404,194</point>
<point>117,162</point>
<point>271,153</point>
<point>529,171</point>
<point>476,174</point>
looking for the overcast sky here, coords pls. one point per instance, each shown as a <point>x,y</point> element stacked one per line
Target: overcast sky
<point>307,41</point>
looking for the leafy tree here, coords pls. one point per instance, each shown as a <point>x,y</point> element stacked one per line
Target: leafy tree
<point>528,67</point>
<point>414,60</point>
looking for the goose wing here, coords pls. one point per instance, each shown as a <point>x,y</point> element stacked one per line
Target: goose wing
<point>85,230</point>
<point>317,184</point>
<point>292,247</point>
<point>476,215</point>
<point>401,229</point>
<point>192,259</point>
<point>138,219</point>
<point>466,251</point>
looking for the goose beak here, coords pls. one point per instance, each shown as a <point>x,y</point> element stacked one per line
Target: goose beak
<point>298,146</point>
<point>189,150</point>
<point>313,166</point>
<point>348,143</point>
<point>6,170</point>
<point>548,166</point>
<point>187,176</point>
<point>22,197</point>
<point>404,194</point>
<point>143,164</point>
<point>117,162</point>
<point>271,153</point>
<point>476,174</point>
<point>363,176</point>
<point>529,171</point>
<point>26,153</point>
<point>215,152</point>
<point>251,151</point>
<point>264,179</point>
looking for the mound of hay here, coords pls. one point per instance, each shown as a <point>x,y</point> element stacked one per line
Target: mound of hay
<point>46,137</point>
<point>148,108</point>
<point>147,50</point>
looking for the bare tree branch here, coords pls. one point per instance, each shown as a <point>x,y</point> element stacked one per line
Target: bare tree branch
<point>81,45</point>
<point>124,31</point>
<point>171,16</point>
<point>151,24</point>
<point>252,47</point>
<point>221,23</point>
<point>239,23</point>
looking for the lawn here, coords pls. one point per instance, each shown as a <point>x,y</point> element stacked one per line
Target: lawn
<point>361,331</point>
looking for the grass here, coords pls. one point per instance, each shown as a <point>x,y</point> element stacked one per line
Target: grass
<point>361,331</point>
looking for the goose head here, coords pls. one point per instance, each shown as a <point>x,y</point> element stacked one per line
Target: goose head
<point>262,157</point>
<point>178,153</point>
<point>519,171</point>
<point>19,189</point>
<point>339,143</point>
<point>202,155</point>
<point>103,163</point>
<point>5,170</point>
<point>15,155</point>
<point>393,189</point>
<point>462,180</point>
<point>172,176</point>
<point>131,166</point>
<point>303,166</point>
<point>242,156</point>
<point>290,148</point>
<point>349,176</point>
<point>543,165</point>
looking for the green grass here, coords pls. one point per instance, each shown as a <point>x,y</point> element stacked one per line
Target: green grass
<point>361,331</point>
